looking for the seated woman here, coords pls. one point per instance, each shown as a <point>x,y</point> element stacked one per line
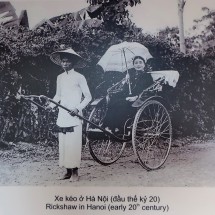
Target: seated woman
<point>119,105</point>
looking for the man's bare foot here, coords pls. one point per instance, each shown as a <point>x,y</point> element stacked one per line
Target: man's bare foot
<point>67,175</point>
<point>74,176</point>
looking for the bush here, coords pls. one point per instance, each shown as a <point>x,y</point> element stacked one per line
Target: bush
<point>27,52</point>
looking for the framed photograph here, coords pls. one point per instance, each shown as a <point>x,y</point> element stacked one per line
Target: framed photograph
<point>107,107</point>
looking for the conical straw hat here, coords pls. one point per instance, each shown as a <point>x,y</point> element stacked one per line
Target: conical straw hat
<point>79,62</point>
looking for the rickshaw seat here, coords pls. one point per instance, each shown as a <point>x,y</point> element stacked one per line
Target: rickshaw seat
<point>170,76</point>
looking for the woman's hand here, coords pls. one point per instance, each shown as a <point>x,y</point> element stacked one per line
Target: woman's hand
<point>49,108</point>
<point>18,96</point>
<point>131,99</point>
<point>73,111</point>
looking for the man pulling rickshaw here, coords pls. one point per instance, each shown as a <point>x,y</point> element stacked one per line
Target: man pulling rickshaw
<point>135,114</point>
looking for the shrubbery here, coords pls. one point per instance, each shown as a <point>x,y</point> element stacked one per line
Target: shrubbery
<point>27,52</point>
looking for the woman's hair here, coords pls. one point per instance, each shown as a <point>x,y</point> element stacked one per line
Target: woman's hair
<point>139,57</point>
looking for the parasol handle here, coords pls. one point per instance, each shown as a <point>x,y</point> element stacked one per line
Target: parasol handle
<point>129,84</point>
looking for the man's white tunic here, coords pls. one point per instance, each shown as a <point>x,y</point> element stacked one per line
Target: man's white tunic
<point>71,87</point>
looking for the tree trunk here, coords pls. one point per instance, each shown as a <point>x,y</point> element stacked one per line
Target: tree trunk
<point>181,4</point>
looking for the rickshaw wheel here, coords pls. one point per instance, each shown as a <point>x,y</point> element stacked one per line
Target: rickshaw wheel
<point>103,149</point>
<point>152,135</point>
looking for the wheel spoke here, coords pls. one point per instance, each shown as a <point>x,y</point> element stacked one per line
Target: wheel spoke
<point>103,149</point>
<point>152,134</point>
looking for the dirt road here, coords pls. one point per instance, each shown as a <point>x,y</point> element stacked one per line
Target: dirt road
<point>190,163</point>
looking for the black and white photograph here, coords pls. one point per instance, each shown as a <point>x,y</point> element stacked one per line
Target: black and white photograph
<point>107,93</point>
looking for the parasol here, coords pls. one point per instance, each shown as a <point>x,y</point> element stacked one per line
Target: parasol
<point>120,57</point>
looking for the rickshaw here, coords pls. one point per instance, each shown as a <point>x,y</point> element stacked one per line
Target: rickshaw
<point>149,131</point>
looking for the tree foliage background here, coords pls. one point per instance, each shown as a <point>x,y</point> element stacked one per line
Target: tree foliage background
<point>26,53</point>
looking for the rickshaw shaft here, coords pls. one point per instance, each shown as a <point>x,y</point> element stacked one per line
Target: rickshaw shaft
<point>80,117</point>
<point>95,125</point>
